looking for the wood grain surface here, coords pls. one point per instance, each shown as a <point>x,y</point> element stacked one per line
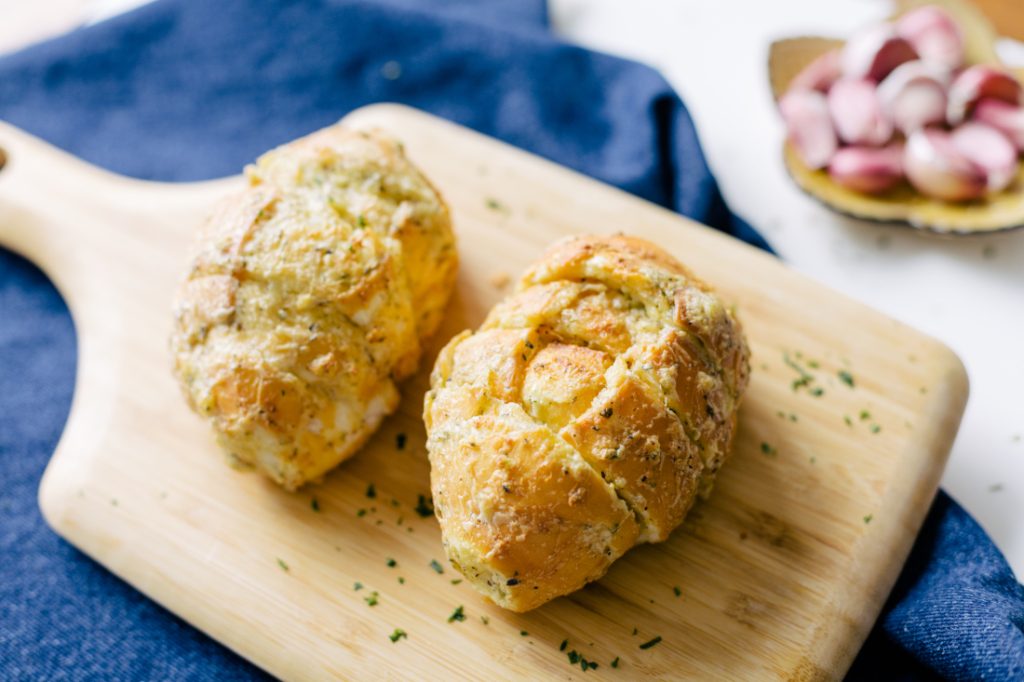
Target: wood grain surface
<point>779,575</point>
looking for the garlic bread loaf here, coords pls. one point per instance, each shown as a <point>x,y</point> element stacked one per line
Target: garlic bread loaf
<point>308,299</point>
<point>584,417</point>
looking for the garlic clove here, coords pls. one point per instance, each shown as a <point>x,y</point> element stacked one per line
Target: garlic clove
<point>870,170</point>
<point>874,52</point>
<point>820,74</point>
<point>857,113</point>
<point>977,82</point>
<point>937,168</point>
<point>1004,117</point>
<point>934,35</point>
<point>989,149</point>
<point>809,126</point>
<point>914,95</point>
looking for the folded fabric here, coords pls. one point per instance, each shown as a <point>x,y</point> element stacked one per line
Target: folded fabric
<point>187,90</point>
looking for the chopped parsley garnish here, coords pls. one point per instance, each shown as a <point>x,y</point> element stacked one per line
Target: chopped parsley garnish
<point>438,568</point>
<point>817,391</point>
<point>485,620</point>
<point>846,418</point>
<point>678,592</point>
<point>804,379</point>
<point>398,634</point>
<point>845,377</point>
<point>358,586</point>
<point>315,504</point>
<point>635,631</point>
<point>494,204</point>
<point>400,441</point>
<point>361,512</point>
<point>585,665</point>
<point>283,565</point>
<point>424,507</point>
<point>564,644</point>
<point>371,492</point>
<point>523,633</point>
<point>615,663</point>
<point>768,449</point>
<point>401,580</point>
<point>867,519</point>
<point>875,428</point>
<point>457,581</point>
<point>865,415</point>
<point>511,582</point>
<point>457,615</point>
<point>361,220</point>
<point>653,642</point>
<point>372,599</point>
<point>392,563</point>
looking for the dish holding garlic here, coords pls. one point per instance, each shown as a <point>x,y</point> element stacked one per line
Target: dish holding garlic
<point>898,103</point>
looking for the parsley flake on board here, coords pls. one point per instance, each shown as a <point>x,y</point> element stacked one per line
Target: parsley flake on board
<point>615,663</point>
<point>424,507</point>
<point>457,615</point>
<point>391,563</point>
<point>283,565</point>
<point>371,491</point>
<point>652,642</point>
<point>372,600</point>
<point>398,634</point>
<point>315,504</point>
<point>438,568</point>
<point>400,441</point>
<point>358,586</point>
<point>845,377</point>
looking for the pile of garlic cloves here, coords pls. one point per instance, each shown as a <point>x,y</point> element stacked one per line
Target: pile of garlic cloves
<point>897,102</point>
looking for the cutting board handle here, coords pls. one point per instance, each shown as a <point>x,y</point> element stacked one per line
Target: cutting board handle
<point>59,212</point>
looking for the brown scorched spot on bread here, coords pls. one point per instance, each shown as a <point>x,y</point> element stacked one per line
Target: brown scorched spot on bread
<point>308,299</point>
<point>583,417</point>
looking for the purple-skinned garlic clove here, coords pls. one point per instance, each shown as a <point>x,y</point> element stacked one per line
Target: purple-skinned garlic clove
<point>976,83</point>
<point>1005,117</point>
<point>874,52</point>
<point>935,167</point>
<point>820,74</point>
<point>989,149</point>
<point>914,95</point>
<point>934,35</point>
<point>871,170</point>
<point>809,126</point>
<point>857,113</point>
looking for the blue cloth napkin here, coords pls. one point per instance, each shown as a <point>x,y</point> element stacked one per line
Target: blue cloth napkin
<point>189,89</point>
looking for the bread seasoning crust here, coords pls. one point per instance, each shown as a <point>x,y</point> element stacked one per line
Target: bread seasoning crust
<point>585,416</point>
<point>308,299</point>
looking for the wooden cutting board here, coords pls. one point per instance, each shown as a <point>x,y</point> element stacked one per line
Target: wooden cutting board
<point>779,575</point>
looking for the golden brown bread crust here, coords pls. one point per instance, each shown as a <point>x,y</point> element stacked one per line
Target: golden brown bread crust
<point>308,299</point>
<point>585,416</point>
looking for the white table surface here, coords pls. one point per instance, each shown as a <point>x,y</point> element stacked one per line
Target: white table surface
<point>968,292</point>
